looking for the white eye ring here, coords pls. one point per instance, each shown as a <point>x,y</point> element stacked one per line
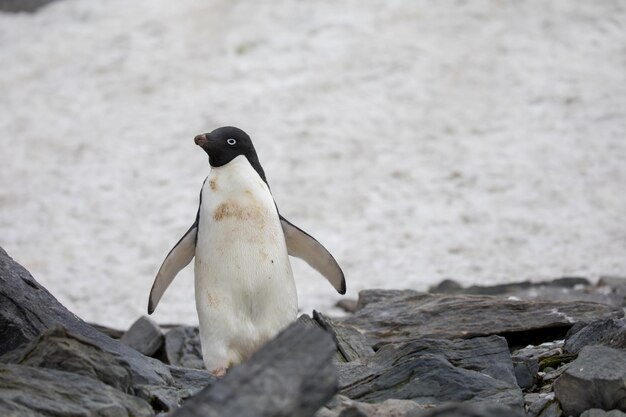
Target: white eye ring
<point>231,141</point>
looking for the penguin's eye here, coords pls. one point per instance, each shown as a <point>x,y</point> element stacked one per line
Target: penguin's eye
<point>231,141</point>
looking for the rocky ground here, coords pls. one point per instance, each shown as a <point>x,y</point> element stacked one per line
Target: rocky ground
<point>549,349</point>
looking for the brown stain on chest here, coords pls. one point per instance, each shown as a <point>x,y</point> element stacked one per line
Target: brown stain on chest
<point>233,210</point>
<point>213,184</point>
<point>212,300</point>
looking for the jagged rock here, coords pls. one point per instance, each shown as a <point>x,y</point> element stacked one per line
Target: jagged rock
<point>547,378</point>
<point>543,363</point>
<point>596,412</point>
<point>388,316</point>
<point>191,381</point>
<point>182,347</point>
<point>597,379</point>
<point>292,375</point>
<point>606,332</point>
<point>350,342</point>
<point>61,350</point>
<point>27,310</point>
<point>26,391</point>
<point>431,371</point>
<point>306,320</point>
<point>552,409</point>
<point>472,410</point>
<point>405,408</point>
<point>144,336</point>
<point>540,404</point>
<point>344,406</point>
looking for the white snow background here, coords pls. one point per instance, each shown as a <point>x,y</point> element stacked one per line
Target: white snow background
<point>483,141</point>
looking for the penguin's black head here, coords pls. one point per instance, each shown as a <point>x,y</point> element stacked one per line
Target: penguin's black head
<point>225,144</point>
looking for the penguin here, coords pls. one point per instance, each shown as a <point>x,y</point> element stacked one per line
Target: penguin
<point>244,287</point>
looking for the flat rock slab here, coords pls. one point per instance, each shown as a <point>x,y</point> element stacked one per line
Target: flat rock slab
<point>61,350</point>
<point>292,375</point>
<point>391,316</point>
<point>26,391</point>
<point>433,371</point>
<point>596,379</point>
<point>449,286</point>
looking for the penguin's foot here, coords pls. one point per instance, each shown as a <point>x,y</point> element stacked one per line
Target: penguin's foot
<point>219,372</point>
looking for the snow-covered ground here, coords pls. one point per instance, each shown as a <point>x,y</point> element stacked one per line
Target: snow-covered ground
<point>483,141</point>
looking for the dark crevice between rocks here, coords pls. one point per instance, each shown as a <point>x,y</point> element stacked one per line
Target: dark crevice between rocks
<point>158,405</point>
<point>517,340</point>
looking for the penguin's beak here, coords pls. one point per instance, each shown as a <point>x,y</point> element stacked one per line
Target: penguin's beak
<point>201,140</point>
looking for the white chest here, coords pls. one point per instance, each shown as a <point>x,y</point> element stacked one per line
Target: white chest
<point>238,217</point>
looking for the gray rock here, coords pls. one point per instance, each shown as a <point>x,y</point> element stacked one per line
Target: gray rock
<point>348,305</point>
<point>432,371</point>
<point>344,406</point>
<point>472,410</point>
<point>61,350</point>
<point>562,289</point>
<point>351,344</point>
<point>191,381</point>
<point>144,336</point>
<point>550,375</point>
<point>526,371</point>
<point>547,357</point>
<point>596,412</point>
<point>387,316</point>
<point>27,310</point>
<point>614,282</point>
<point>597,379</point>
<point>16,6</point>
<point>182,347</point>
<point>27,391</point>
<point>449,286</point>
<point>590,294</point>
<point>292,375</point>
<point>606,332</point>
<point>551,410</point>
<point>538,404</point>
<point>109,331</point>
<point>526,362</point>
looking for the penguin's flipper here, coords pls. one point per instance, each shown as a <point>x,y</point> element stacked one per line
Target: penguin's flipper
<point>304,246</point>
<point>178,258</point>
